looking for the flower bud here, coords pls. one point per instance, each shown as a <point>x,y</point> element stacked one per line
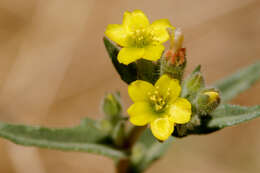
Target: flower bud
<point>111,106</point>
<point>193,84</point>
<point>207,101</point>
<point>138,152</point>
<point>118,135</point>
<point>174,60</point>
<point>105,126</point>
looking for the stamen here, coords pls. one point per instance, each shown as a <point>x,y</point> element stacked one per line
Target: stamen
<point>142,37</point>
<point>158,100</point>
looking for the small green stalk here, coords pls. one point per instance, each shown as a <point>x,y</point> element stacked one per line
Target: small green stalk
<point>123,165</point>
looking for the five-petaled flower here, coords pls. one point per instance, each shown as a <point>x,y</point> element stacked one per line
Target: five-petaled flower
<point>159,105</point>
<point>138,37</point>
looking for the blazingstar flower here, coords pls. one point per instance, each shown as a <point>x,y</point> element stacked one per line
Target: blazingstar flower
<point>138,38</point>
<point>158,105</point>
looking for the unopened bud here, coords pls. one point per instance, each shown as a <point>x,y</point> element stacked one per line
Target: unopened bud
<point>174,61</point>
<point>111,106</point>
<point>213,95</point>
<point>177,54</point>
<point>207,101</point>
<point>193,84</point>
<point>105,125</point>
<point>119,134</point>
<point>138,152</point>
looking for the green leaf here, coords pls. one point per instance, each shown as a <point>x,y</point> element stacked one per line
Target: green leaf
<point>229,115</point>
<point>147,70</point>
<point>234,84</point>
<point>128,73</point>
<point>154,150</point>
<point>86,137</point>
<point>224,116</point>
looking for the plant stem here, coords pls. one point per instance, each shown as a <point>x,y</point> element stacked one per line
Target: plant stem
<point>122,166</point>
<point>133,136</point>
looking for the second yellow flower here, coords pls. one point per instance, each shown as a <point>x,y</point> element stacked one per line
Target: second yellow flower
<point>138,37</point>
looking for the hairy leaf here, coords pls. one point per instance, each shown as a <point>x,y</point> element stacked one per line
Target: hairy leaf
<point>85,138</point>
<point>229,115</point>
<point>234,84</point>
<point>128,73</point>
<point>224,116</point>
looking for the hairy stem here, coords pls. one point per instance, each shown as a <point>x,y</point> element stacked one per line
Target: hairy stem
<point>123,166</point>
<point>133,136</point>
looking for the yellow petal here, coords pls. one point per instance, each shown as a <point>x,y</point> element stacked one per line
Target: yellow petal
<point>159,29</point>
<point>129,55</point>
<point>162,128</point>
<point>141,113</point>
<point>117,33</point>
<point>213,96</point>
<point>139,90</point>
<point>168,87</point>
<point>180,111</point>
<point>135,20</point>
<point>153,52</point>
<point>178,39</point>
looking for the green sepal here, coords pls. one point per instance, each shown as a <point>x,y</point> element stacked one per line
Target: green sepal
<point>128,73</point>
<point>207,101</point>
<point>173,70</point>
<point>118,134</point>
<point>193,84</point>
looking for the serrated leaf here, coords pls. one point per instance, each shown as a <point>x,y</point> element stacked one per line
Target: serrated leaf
<point>128,73</point>
<point>234,84</point>
<point>84,138</point>
<point>154,150</point>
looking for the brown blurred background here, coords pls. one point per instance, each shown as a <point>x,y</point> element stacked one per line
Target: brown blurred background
<point>54,70</point>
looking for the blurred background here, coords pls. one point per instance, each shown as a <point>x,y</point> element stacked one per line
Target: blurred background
<point>54,71</point>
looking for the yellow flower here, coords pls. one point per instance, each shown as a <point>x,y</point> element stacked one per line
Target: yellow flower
<point>158,105</point>
<point>138,37</point>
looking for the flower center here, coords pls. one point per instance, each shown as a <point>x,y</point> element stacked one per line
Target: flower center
<point>141,38</point>
<point>158,101</point>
